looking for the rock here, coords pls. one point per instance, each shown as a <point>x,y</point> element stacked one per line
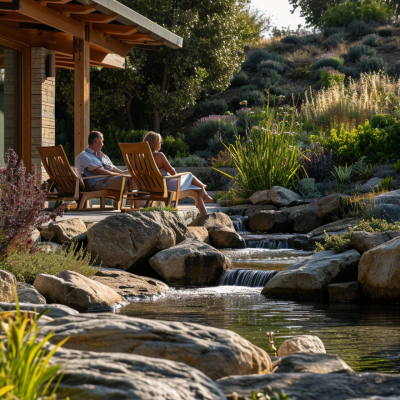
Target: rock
<point>255,209</point>
<point>392,197</point>
<point>52,310</point>
<point>331,204</point>
<point>388,212</point>
<point>346,292</point>
<point>128,241</point>
<point>311,363</point>
<point>35,236</point>
<point>76,291</point>
<point>63,231</point>
<point>213,221</point>
<point>51,247</point>
<point>215,352</point>
<point>341,226</point>
<point>224,238</point>
<point>127,284</point>
<point>371,185</point>
<point>268,221</point>
<point>310,278</point>
<point>111,376</point>
<point>191,263</point>
<point>7,285</point>
<point>281,196</point>
<point>379,272</point>
<point>260,197</point>
<point>200,233</point>
<point>28,294</point>
<point>306,222</point>
<point>303,343</point>
<point>336,386</point>
<point>383,173</point>
<point>364,241</point>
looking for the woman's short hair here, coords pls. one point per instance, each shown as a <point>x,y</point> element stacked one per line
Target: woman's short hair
<point>153,139</point>
<point>93,136</point>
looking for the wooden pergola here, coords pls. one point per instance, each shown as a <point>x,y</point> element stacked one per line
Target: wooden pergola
<point>82,33</point>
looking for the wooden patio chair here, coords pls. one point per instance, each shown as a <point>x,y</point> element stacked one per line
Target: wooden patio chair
<point>71,187</point>
<point>152,186</point>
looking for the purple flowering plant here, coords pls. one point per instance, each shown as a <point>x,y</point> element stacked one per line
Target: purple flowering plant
<point>317,162</point>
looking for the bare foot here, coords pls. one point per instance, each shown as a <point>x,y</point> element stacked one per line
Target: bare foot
<point>206,197</point>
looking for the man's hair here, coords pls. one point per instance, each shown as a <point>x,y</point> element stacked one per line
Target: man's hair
<point>93,136</point>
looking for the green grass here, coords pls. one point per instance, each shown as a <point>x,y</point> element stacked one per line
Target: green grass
<point>159,209</point>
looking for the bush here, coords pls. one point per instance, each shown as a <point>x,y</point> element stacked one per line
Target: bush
<point>274,65</point>
<point>385,31</point>
<point>291,39</point>
<point>254,98</point>
<point>351,72</point>
<point>334,40</point>
<point>213,107</point>
<point>358,29</point>
<point>202,154</point>
<point>330,77</point>
<point>332,62</point>
<point>397,69</point>
<point>255,56</point>
<point>342,174</point>
<point>172,147</point>
<point>223,160</point>
<point>234,103</point>
<point>191,161</point>
<point>301,72</point>
<point>271,76</point>
<point>317,162</point>
<point>239,80</point>
<point>371,64</point>
<point>317,73</point>
<point>387,183</point>
<point>26,265</point>
<point>356,52</point>
<point>21,203</point>
<point>338,244</point>
<point>397,167</point>
<point>372,40</point>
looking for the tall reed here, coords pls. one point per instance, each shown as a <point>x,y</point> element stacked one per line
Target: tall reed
<point>267,154</point>
<point>374,93</point>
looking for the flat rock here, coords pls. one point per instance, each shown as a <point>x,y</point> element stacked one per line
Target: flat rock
<point>7,285</point>
<point>225,238</point>
<point>331,204</point>
<point>213,221</point>
<point>200,233</point>
<point>63,231</point>
<point>259,197</point>
<point>302,343</point>
<point>268,221</point>
<point>281,196</point>
<point>346,292</point>
<point>379,272</point>
<point>76,291</point>
<point>337,226</point>
<point>371,185</point>
<point>52,310</point>
<point>307,221</point>
<point>310,278</point>
<point>215,352</point>
<point>129,285</point>
<point>311,363</point>
<point>28,294</point>
<point>388,212</point>
<point>392,197</point>
<point>255,209</point>
<point>364,241</point>
<point>112,376</point>
<point>191,263</point>
<point>336,386</point>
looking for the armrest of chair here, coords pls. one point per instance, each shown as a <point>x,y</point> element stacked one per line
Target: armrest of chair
<point>175,176</point>
<point>101,176</point>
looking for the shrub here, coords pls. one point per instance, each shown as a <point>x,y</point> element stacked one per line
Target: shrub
<point>159,209</point>
<point>351,72</point>
<point>385,31</point>
<point>301,72</point>
<point>338,244</point>
<point>397,68</point>
<point>371,64</point>
<point>359,29</point>
<point>397,167</point>
<point>212,107</point>
<point>356,52</point>
<point>191,161</point>
<point>172,147</point>
<point>291,39</point>
<point>267,83</point>
<point>387,183</point>
<point>334,40</point>
<point>26,265</point>
<point>372,40</point>
<point>255,56</point>
<point>214,144</point>
<point>317,162</point>
<point>202,154</point>
<point>254,98</point>
<point>331,30</point>
<point>223,160</point>
<point>274,65</point>
<point>239,80</point>
<point>330,77</point>
<point>332,62</point>
<point>234,103</point>
<point>22,203</point>
<point>343,174</point>
<point>271,76</point>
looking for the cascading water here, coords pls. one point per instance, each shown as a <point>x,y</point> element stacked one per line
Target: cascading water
<point>239,224</point>
<point>273,244</point>
<point>247,277</point>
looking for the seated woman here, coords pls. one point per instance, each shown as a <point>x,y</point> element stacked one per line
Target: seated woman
<point>187,182</point>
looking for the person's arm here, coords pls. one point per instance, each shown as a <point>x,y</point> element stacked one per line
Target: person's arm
<point>120,171</point>
<point>102,171</point>
<point>168,167</point>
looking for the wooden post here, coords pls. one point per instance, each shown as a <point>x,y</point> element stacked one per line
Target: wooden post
<point>82,91</point>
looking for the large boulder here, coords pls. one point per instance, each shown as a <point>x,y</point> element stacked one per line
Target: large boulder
<point>200,233</point>
<point>341,226</point>
<point>307,221</point>
<point>281,196</point>
<point>191,263</point>
<point>379,272</point>
<point>225,238</point>
<point>345,292</point>
<point>268,221</point>
<point>388,212</point>
<point>302,343</point>
<point>127,284</point>
<point>311,363</point>
<point>310,278</point>
<point>364,241</point>
<point>373,184</point>
<point>260,197</point>
<point>215,352</point>
<point>392,197</point>
<point>111,376</point>
<point>52,310</point>
<point>28,294</point>
<point>8,284</point>
<point>64,231</point>
<point>128,241</point>
<point>331,204</point>
<point>76,291</point>
<point>213,221</point>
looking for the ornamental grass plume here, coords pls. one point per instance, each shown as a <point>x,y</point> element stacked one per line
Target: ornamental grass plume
<point>21,205</point>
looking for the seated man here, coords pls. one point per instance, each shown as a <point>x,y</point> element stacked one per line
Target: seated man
<point>93,162</point>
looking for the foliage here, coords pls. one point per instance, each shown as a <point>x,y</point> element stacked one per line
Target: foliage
<point>330,78</point>
<point>267,155</point>
<point>172,147</point>
<point>372,94</point>
<point>372,40</point>
<point>275,65</point>
<point>254,98</point>
<point>301,72</point>
<point>255,56</point>
<point>362,170</point>
<point>190,161</point>
<point>203,154</point>
<point>351,72</point>
<point>397,69</point>
<point>376,225</point>
<point>206,108</point>
<point>342,174</point>
<point>385,31</point>
<point>21,203</point>
<point>27,265</point>
<point>358,29</point>
<point>25,370</point>
<point>397,167</point>
<point>334,40</point>
<point>270,394</point>
<point>317,162</point>
<point>337,244</point>
<point>387,183</point>
<point>356,52</point>
<point>239,80</point>
<point>292,39</point>
<point>306,188</point>
<point>159,209</point>
<point>271,77</point>
<point>223,160</point>
<point>332,62</point>
<point>371,64</point>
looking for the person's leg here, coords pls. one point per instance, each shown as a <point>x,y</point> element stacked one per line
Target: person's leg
<point>200,204</point>
<point>204,195</point>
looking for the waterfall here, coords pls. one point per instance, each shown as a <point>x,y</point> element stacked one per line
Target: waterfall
<point>238,224</point>
<point>273,244</point>
<point>247,277</point>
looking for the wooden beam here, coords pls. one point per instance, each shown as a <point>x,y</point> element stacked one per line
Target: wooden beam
<point>111,29</point>
<point>82,92</point>
<point>45,2</point>
<point>72,8</point>
<point>14,34</point>
<point>101,18</point>
<point>71,26</point>
<point>147,43</point>
<point>15,16</point>
<point>64,65</point>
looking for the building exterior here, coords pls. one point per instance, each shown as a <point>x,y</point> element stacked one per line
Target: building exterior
<point>39,36</point>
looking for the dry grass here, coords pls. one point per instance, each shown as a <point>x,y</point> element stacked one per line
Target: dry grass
<point>304,56</point>
<point>390,45</point>
<point>372,94</point>
<point>273,44</point>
